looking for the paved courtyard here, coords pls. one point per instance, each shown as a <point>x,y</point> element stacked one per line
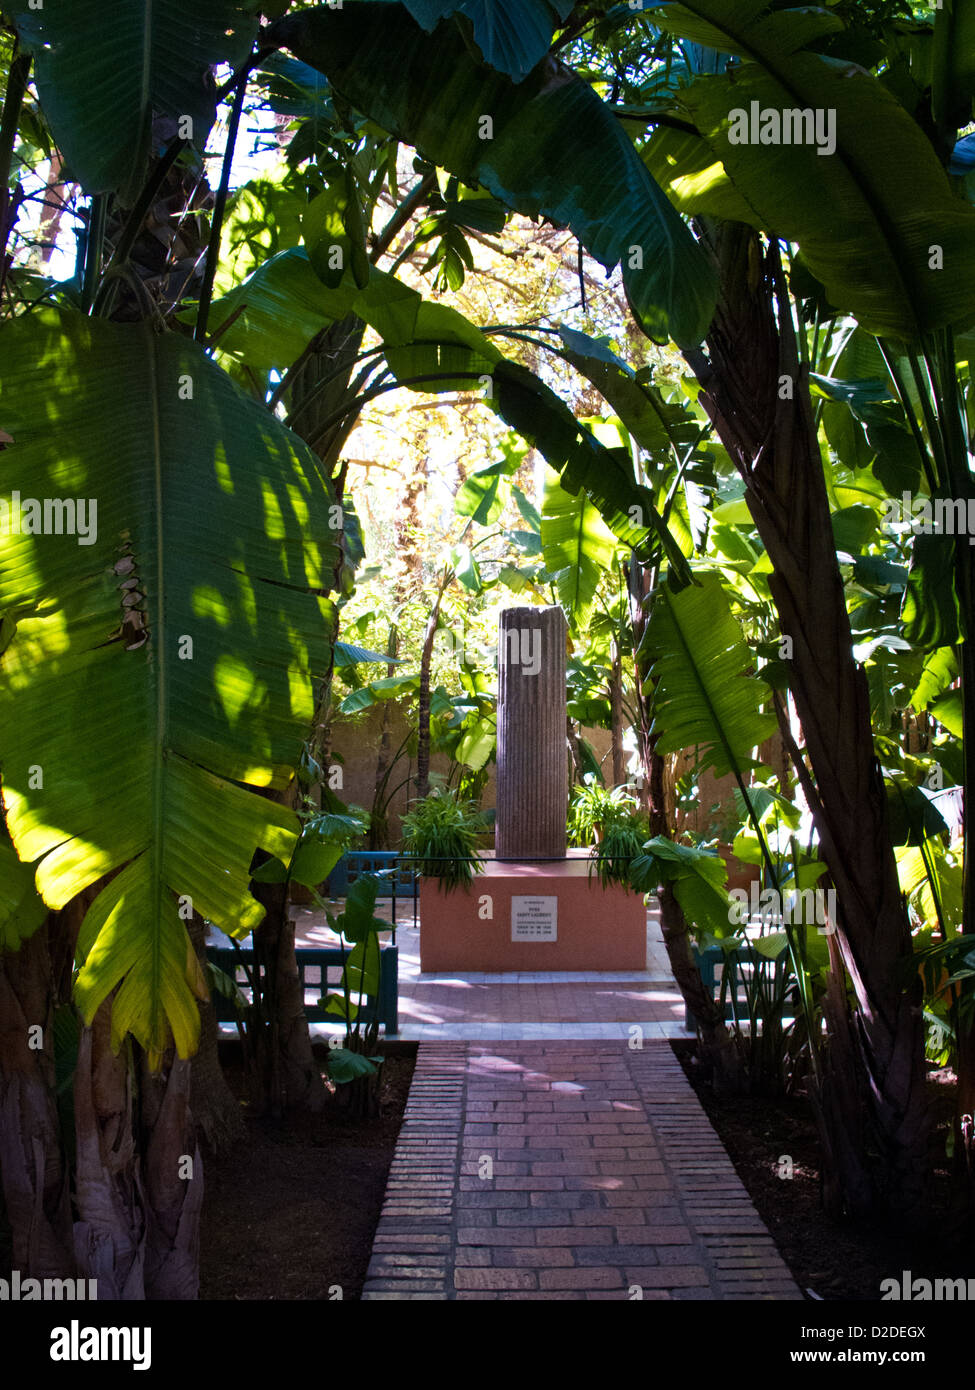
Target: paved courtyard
<point>545,1004</point>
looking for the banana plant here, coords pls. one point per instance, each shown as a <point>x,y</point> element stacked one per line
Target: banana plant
<point>855,189</point>
<point>357,1065</point>
<point>93,78</point>
<point>198,570</point>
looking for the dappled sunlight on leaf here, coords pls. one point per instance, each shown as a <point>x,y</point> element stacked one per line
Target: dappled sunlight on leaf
<point>170,660</point>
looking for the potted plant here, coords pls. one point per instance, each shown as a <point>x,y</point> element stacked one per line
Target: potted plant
<point>440,836</point>
<point>611,823</point>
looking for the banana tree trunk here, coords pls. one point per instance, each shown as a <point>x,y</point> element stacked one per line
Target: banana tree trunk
<point>756,394</point>
<point>35,1176</point>
<point>716,1044</point>
<point>616,715</point>
<point>378,822</point>
<point>291,1076</point>
<point>215,1108</point>
<point>173,1176</point>
<point>110,1230</point>
<point>423,702</point>
<point>138,1172</point>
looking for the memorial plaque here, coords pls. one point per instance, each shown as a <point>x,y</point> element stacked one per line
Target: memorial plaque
<point>534,918</point>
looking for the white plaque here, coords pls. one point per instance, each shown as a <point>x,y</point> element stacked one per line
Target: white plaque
<point>534,919</point>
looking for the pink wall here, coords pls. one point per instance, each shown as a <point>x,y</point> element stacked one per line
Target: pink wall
<point>597,928</point>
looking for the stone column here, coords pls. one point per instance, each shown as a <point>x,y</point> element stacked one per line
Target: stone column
<point>533,780</point>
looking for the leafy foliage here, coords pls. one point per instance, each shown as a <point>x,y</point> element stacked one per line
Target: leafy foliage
<point>160,670</point>
<point>513,35</point>
<point>868,216</point>
<point>698,877</point>
<point>577,547</point>
<point>101,83</point>
<point>383,63</point>
<point>701,695</point>
<point>441,834</point>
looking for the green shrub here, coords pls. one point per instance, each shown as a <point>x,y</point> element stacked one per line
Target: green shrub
<point>610,822</point>
<point>621,844</point>
<point>594,809</point>
<point>441,834</point>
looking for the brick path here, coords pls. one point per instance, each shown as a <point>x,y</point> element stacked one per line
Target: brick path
<point>555,1170</point>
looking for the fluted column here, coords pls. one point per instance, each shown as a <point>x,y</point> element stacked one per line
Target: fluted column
<point>533,788</point>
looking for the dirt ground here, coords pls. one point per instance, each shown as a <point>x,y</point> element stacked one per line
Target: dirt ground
<point>290,1212</point>
<point>833,1260</point>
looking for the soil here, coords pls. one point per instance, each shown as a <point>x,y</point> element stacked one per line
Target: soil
<point>832,1260</point>
<point>290,1211</point>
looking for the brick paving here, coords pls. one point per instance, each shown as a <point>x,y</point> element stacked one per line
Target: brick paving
<point>558,1169</point>
<point>475,1006</point>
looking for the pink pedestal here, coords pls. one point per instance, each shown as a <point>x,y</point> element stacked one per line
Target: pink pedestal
<point>596,928</point>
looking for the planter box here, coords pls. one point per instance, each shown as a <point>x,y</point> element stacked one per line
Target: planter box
<point>525,917</point>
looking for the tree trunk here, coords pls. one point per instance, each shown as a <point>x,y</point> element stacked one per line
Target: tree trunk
<point>616,715</point>
<point>55,201</point>
<point>139,1172</point>
<point>378,822</point>
<point>35,1177</point>
<point>839,1103</point>
<point>756,394</point>
<point>109,1234</point>
<point>575,765</point>
<point>173,1183</point>
<point>216,1110</point>
<point>292,1077</point>
<point>718,1049</point>
<point>423,702</point>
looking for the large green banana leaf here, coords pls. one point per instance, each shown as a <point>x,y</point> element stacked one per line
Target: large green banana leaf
<point>21,909</point>
<point>546,146</point>
<point>877,220</point>
<point>940,669</point>
<point>273,315</point>
<point>513,35</point>
<point>263,217</point>
<point>663,429</point>
<point>701,697</point>
<point>698,877</point>
<point>692,176</point>
<point>166,665</point>
<point>605,475</point>
<point>270,318</point>
<point>103,72</point>
<point>745,28</point>
<point>577,547</point>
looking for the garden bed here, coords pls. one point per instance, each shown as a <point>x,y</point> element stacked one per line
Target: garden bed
<point>833,1260</point>
<point>290,1212</point>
